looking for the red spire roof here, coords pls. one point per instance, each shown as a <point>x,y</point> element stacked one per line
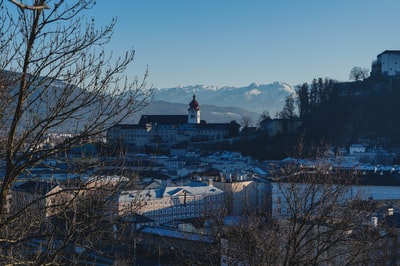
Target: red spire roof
<point>194,104</point>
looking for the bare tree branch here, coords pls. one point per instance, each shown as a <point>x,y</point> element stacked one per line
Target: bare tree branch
<point>57,78</point>
<point>23,6</point>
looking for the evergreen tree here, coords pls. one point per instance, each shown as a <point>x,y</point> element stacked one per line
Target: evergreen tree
<point>321,90</point>
<point>303,100</point>
<point>314,101</point>
<point>288,111</point>
<point>328,87</point>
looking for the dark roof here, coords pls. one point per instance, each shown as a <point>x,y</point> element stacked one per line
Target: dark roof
<point>389,52</point>
<point>194,104</point>
<point>393,220</point>
<point>135,218</point>
<point>197,222</point>
<point>211,125</point>
<point>249,129</point>
<point>36,187</point>
<point>163,119</point>
<point>266,120</point>
<point>127,126</point>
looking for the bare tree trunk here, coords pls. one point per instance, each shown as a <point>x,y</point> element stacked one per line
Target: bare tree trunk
<point>55,78</point>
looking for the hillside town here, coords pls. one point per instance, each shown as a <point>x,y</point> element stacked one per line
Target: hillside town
<point>95,170</point>
<point>173,201</point>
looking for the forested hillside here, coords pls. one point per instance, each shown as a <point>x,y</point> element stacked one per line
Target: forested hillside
<point>363,111</point>
<point>337,114</point>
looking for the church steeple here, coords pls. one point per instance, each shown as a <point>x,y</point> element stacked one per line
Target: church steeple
<point>194,112</point>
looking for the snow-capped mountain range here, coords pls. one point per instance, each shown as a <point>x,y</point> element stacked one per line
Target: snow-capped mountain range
<point>255,98</point>
<point>222,104</point>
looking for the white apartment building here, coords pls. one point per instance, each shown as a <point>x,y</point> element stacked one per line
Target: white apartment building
<point>173,202</point>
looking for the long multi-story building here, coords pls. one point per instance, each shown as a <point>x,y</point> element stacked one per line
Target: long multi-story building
<point>173,202</point>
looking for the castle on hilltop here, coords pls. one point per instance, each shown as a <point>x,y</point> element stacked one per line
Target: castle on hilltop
<point>387,63</point>
<point>170,130</point>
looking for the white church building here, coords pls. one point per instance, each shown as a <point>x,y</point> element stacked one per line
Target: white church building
<point>171,129</point>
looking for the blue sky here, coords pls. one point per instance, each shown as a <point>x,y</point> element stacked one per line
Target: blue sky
<point>237,42</point>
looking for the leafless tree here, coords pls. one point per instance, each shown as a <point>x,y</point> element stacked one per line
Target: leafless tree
<point>358,73</point>
<point>263,116</point>
<point>55,77</point>
<point>246,121</point>
<point>315,221</point>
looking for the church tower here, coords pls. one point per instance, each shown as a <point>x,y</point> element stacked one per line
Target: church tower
<point>194,112</point>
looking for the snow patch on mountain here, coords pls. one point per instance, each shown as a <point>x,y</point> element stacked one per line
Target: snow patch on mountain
<point>253,92</point>
<point>227,114</point>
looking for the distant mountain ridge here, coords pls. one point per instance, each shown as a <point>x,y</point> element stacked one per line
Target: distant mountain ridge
<point>251,100</point>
